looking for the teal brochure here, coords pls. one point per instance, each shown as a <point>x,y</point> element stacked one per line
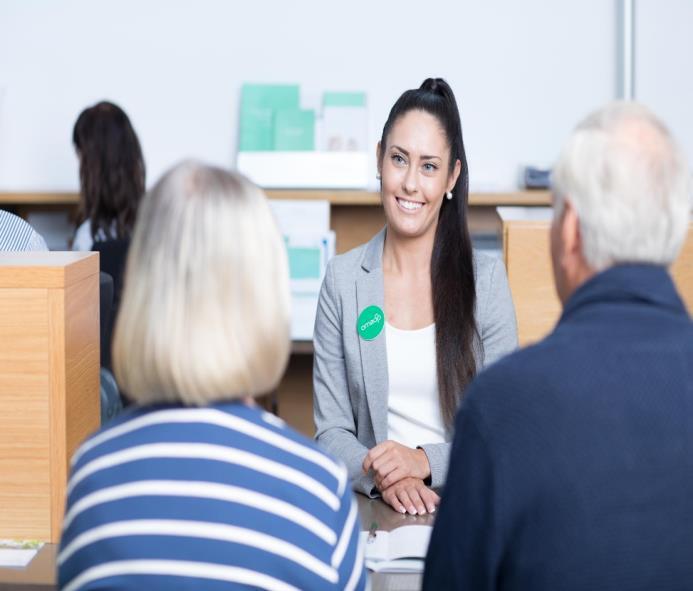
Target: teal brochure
<point>294,130</point>
<point>344,99</point>
<point>258,105</point>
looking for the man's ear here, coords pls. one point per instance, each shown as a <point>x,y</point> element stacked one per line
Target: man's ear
<point>570,235</point>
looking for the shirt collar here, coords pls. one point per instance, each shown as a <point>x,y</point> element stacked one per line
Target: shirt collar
<point>649,284</point>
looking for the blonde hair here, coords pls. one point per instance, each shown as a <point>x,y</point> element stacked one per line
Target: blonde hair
<point>629,183</point>
<point>205,308</point>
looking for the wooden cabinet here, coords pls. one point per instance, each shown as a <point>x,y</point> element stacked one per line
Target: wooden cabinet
<point>49,383</point>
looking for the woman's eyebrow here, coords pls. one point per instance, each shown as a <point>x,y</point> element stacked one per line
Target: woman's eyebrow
<point>406,153</point>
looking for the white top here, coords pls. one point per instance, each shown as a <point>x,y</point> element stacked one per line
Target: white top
<point>83,239</point>
<point>413,408</point>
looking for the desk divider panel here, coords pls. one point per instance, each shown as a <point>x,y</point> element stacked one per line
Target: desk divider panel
<point>528,262</point>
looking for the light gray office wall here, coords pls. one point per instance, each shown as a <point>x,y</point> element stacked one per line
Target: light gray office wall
<point>664,63</point>
<point>524,72</point>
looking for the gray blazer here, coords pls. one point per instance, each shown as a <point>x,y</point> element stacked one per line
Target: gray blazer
<point>350,384</point>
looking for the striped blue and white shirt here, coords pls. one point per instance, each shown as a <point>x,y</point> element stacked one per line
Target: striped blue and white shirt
<point>222,497</point>
<point>18,235</point>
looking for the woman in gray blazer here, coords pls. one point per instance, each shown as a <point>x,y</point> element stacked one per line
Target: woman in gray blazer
<point>405,321</point>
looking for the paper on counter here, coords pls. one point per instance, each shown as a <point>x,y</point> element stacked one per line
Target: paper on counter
<point>401,550</point>
<point>17,553</point>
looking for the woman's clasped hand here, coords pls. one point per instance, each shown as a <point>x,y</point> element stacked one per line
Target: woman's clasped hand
<point>399,473</point>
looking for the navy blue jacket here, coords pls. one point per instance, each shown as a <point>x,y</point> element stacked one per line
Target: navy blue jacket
<point>572,462</point>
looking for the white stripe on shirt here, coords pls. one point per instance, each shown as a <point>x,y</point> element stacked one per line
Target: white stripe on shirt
<point>179,568</point>
<point>357,569</point>
<point>216,417</point>
<point>204,530</point>
<point>206,490</point>
<point>208,451</point>
<point>347,532</point>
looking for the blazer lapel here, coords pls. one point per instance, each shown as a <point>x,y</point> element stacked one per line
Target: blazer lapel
<point>369,292</point>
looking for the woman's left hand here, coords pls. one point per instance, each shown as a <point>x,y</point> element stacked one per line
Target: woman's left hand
<point>411,495</point>
<point>392,461</point>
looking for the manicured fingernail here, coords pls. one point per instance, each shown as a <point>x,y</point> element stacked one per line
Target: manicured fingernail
<point>402,510</point>
<point>432,509</point>
<point>412,510</point>
<point>422,511</point>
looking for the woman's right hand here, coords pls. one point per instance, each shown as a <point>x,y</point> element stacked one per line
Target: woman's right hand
<point>411,495</point>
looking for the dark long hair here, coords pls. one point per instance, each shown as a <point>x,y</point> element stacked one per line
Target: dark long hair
<point>111,169</point>
<point>452,270</point>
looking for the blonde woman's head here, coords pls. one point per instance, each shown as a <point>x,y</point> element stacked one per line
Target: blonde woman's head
<point>205,308</point>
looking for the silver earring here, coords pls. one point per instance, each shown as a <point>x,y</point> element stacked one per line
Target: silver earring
<point>449,194</point>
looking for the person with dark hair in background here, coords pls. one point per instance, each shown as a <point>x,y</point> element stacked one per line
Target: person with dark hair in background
<point>111,174</point>
<point>405,321</point>
<point>112,183</point>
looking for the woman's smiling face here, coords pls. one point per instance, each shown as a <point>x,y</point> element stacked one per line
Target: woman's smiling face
<point>414,168</point>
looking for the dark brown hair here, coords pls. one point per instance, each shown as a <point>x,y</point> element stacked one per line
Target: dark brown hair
<point>111,169</point>
<point>452,268</point>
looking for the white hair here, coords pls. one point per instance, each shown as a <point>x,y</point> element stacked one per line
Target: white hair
<point>629,183</point>
<point>205,309</point>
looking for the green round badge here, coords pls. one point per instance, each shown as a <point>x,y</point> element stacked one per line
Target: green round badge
<point>370,323</point>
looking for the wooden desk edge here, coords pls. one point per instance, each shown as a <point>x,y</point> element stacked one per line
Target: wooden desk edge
<point>335,197</point>
<point>15,274</point>
<point>48,272</point>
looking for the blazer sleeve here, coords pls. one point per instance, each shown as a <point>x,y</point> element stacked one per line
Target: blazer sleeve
<point>332,411</point>
<point>497,326</point>
<point>438,455</point>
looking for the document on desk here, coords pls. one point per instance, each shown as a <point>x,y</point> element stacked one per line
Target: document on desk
<point>401,550</point>
<point>17,553</point>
